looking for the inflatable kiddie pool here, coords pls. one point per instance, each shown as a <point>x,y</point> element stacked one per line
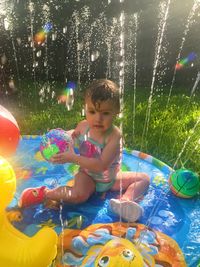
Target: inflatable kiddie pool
<point>90,234</point>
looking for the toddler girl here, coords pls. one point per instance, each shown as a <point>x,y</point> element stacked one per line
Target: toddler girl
<point>100,148</point>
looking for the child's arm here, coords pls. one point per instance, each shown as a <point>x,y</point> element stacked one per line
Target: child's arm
<point>74,133</point>
<point>93,164</point>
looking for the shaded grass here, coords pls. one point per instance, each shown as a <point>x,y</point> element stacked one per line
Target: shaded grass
<point>170,136</point>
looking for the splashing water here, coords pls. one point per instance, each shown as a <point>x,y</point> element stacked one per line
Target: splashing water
<point>195,84</point>
<point>164,16</point>
<point>186,30</point>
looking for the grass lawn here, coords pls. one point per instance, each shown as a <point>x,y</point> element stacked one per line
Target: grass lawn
<point>173,134</point>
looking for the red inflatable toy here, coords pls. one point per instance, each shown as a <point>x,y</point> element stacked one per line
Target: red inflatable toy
<point>9,133</point>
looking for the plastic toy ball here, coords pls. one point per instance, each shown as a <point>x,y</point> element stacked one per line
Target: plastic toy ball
<point>53,142</point>
<point>184,183</point>
<point>9,133</point>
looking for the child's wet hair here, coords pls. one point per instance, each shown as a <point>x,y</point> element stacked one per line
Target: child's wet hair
<point>103,90</point>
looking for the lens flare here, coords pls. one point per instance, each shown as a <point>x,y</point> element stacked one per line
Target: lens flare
<point>47,27</point>
<point>67,96</point>
<point>41,36</point>
<point>191,57</point>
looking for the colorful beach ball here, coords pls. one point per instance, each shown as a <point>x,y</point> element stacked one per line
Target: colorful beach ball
<point>9,133</point>
<point>184,183</point>
<point>53,142</point>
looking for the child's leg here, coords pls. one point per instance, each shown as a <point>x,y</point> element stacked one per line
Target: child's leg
<point>134,184</point>
<point>83,188</point>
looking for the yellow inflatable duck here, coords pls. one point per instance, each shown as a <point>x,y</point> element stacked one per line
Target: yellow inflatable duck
<point>17,249</point>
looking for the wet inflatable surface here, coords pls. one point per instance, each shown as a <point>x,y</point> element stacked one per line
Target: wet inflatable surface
<point>164,213</point>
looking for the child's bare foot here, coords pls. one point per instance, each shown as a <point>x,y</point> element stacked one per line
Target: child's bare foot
<point>128,210</point>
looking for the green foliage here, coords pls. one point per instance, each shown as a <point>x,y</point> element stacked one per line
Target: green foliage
<point>173,134</point>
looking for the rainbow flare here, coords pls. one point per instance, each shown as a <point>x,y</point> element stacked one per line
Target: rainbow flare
<point>67,96</point>
<point>40,37</point>
<point>192,56</point>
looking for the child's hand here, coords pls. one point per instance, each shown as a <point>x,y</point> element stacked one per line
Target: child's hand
<point>65,157</point>
<point>75,134</point>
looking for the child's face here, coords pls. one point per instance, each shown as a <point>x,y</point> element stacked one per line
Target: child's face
<point>100,118</point>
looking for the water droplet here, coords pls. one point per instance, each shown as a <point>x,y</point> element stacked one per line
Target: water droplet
<point>19,40</point>
<point>95,55</point>
<point>120,115</point>
<point>35,64</point>
<point>3,59</point>
<point>121,73</point>
<point>45,7</point>
<point>31,7</point>
<point>65,29</point>
<point>11,84</point>
<point>39,53</point>
<point>54,36</point>
<point>83,112</point>
<point>6,24</point>
<point>53,94</point>
<point>80,46</point>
